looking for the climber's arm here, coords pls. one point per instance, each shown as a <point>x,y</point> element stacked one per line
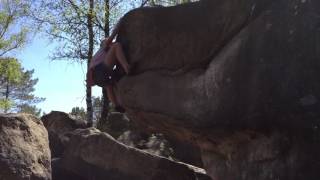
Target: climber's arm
<point>115,31</point>
<point>120,57</point>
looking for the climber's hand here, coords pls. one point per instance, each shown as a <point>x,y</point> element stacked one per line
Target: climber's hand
<point>107,42</point>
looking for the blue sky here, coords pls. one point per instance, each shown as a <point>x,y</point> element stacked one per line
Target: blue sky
<point>60,82</point>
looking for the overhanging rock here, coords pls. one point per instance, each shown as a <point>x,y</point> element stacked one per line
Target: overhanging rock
<point>219,73</point>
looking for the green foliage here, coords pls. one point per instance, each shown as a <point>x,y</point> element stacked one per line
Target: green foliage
<point>10,74</point>
<point>79,113</point>
<point>12,14</point>
<point>10,70</point>
<point>5,104</point>
<point>66,21</point>
<point>17,87</point>
<point>30,109</point>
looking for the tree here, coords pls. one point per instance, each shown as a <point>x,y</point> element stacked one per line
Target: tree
<point>78,26</point>
<point>97,104</point>
<point>17,87</point>
<point>10,74</point>
<point>11,13</point>
<point>72,23</point>
<point>30,109</point>
<point>79,113</point>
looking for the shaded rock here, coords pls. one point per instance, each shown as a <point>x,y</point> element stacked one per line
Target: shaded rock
<point>24,148</point>
<point>226,64</point>
<point>124,131</point>
<point>92,154</point>
<point>250,156</point>
<point>115,124</point>
<point>58,124</point>
<point>155,144</point>
<point>134,139</point>
<point>186,152</point>
<point>216,72</point>
<point>59,173</point>
<point>158,145</point>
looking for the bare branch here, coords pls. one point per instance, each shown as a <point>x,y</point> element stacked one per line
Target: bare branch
<point>143,3</point>
<point>9,49</point>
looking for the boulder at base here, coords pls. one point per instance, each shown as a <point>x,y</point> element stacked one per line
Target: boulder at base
<point>92,154</point>
<point>24,148</point>
<point>124,131</point>
<point>58,124</point>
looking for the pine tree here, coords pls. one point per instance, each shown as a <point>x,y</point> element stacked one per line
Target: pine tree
<point>79,113</point>
<point>17,88</point>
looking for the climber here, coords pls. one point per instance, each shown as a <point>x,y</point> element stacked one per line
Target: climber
<point>107,65</point>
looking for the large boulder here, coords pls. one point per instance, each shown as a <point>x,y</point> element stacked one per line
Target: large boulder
<point>24,148</point>
<point>231,63</point>
<point>58,125</point>
<point>230,76</point>
<point>92,154</point>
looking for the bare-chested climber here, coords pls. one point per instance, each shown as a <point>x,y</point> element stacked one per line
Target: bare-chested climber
<point>105,68</point>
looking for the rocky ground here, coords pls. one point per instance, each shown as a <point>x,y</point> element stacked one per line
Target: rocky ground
<point>77,152</point>
<point>124,131</point>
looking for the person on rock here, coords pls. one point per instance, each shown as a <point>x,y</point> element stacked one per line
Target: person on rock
<point>107,65</point>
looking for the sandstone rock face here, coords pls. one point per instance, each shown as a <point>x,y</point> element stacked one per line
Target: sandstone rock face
<point>58,124</point>
<point>92,154</point>
<point>24,148</point>
<point>230,63</point>
<point>230,76</point>
<point>275,155</point>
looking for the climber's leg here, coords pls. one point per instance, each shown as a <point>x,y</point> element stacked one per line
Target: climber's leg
<point>113,99</point>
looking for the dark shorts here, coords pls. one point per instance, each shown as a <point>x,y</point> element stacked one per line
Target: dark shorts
<point>104,75</point>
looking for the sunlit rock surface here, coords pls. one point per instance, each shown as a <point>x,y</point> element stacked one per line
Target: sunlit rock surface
<point>58,124</point>
<point>24,148</point>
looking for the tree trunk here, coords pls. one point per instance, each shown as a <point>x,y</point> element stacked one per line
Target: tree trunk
<point>90,54</point>
<point>6,107</point>
<point>106,18</point>
<point>105,100</point>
